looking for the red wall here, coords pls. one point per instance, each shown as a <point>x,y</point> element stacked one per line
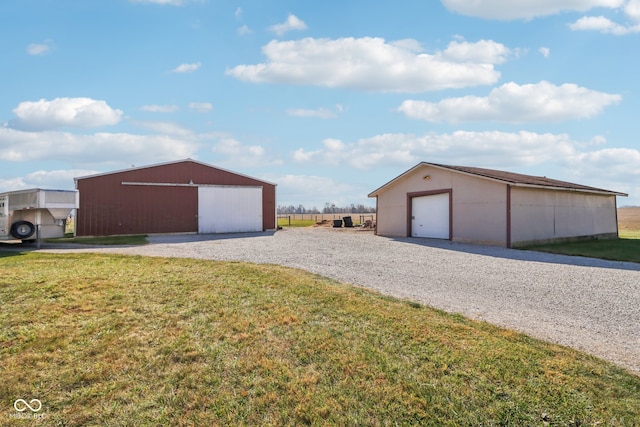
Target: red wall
<point>107,207</point>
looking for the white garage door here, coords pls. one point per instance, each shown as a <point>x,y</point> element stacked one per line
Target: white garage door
<point>229,209</point>
<point>430,216</point>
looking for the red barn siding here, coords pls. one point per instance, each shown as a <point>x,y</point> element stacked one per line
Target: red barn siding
<point>109,207</point>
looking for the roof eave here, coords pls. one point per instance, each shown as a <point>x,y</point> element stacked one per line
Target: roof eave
<point>170,163</point>
<point>575,190</point>
<point>376,192</point>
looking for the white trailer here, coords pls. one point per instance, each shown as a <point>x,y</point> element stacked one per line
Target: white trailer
<point>30,215</point>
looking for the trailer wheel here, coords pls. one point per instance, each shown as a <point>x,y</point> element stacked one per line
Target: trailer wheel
<point>22,230</point>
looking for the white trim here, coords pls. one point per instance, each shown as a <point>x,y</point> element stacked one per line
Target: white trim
<point>158,184</point>
<point>177,184</point>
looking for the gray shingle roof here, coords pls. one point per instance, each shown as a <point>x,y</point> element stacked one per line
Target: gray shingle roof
<point>512,178</point>
<point>518,178</point>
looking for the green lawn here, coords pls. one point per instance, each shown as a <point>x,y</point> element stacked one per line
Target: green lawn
<point>629,234</point>
<point>626,248</point>
<point>141,341</point>
<point>286,222</point>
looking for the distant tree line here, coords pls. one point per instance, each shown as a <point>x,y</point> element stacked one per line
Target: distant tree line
<point>328,209</point>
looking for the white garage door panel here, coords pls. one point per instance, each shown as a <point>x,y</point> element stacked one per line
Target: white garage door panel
<point>229,209</point>
<point>430,216</point>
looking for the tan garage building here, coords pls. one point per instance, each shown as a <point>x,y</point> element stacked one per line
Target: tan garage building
<point>470,204</point>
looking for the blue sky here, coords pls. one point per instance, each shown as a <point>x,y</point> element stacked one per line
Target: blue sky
<point>329,100</point>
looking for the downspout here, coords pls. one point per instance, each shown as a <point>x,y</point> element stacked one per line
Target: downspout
<point>615,211</point>
<point>375,230</point>
<point>508,215</point>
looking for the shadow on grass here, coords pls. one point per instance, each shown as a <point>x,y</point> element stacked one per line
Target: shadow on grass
<point>8,249</point>
<point>192,237</point>
<point>592,253</point>
<point>627,250</point>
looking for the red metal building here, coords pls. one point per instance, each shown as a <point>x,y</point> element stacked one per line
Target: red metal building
<point>185,196</point>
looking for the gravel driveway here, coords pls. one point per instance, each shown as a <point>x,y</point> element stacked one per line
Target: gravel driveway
<point>587,304</point>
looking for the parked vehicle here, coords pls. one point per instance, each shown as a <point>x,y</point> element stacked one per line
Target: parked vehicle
<point>32,214</point>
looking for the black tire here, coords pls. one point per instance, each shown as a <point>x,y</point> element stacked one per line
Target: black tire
<point>22,230</point>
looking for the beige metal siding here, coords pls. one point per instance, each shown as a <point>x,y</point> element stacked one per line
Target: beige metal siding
<point>392,204</point>
<point>479,211</point>
<point>542,215</point>
<point>497,207</point>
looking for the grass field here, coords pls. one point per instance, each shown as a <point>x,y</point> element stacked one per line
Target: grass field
<point>306,220</point>
<point>290,222</point>
<point>141,341</point>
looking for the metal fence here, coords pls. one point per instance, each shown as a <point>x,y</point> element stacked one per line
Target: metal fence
<point>358,218</point>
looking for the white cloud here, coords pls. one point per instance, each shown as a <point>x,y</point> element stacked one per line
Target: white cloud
<point>524,9</point>
<point>372,64</point>
<point>490,149</point>
<point>20,146</point>
<point>529,9</point>
<point>481,52</point>
<point>588,163</point>
<point>610,168</point>
<point>37,49</point>
<point>632,9</point>
<point>310,191</point>
<point>201,107</point>
<point>61,112</point>
<point>244,30</point>
<point>515,103</point>
<point>236,154</point>
<point>167,128</point>
<point>186,68</point>
<point>160,108</point>
<point>292,23</point>
<point>603,25</point>
<point>58,179</point>
<point>169,2</point>
<point>61,179</point>
<point>14,184</point>
<point>545,51</point>
<point>609,163</point>
<point>319,113</point>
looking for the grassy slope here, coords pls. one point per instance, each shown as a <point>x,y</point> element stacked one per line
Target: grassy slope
<point>113,340</point>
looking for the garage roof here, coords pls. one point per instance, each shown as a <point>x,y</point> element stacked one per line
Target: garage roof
<point>170,163</point>
<point>512,178</point>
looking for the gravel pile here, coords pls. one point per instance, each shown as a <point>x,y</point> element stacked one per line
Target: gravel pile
<point>588,304</point>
